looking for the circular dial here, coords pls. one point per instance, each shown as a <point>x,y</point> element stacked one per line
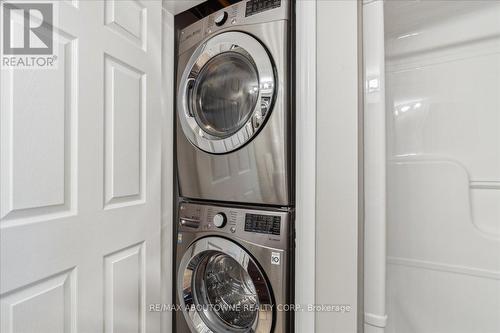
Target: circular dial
<point>220,220</point>
<point>220,19</point>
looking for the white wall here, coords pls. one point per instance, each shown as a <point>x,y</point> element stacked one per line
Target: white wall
<point>337,162</point>
<point>443,124</point>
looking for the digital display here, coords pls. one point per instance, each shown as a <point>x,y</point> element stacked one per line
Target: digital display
<point>264,224</point>
<point>257,6</point>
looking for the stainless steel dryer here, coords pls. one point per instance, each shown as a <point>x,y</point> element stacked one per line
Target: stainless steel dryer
<point>234,120</point>
<point>233,270</point>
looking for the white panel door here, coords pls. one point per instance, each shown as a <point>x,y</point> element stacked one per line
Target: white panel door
<point>80,176</point>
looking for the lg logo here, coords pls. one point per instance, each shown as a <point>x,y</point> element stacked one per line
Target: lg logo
<point>275,258</point>
<point>28,28</point>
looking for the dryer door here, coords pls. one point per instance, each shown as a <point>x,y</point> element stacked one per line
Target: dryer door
<point>222,289</point>
<point>226,92</point>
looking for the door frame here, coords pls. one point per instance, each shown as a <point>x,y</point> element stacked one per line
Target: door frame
<point>305,164</point>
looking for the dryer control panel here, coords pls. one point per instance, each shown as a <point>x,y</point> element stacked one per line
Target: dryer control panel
<point>238,14</point>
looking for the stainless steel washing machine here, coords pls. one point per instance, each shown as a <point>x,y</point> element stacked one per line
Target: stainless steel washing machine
<point>234,116</point>
<point>233,269</point>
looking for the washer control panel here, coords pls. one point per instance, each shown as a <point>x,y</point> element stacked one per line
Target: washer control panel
<point>267,227</point>
<point>258,6</point>
<point>264,224</point>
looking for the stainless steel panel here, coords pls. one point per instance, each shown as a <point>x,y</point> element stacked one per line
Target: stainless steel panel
<point>261,248</point>
<point>260,172</point>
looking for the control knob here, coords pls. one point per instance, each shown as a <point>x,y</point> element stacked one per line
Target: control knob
<point>220,220</point>
<point>220,19</point>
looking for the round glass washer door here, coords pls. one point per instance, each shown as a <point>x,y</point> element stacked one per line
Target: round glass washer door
<point>222,290</point>
<point>226,92</point>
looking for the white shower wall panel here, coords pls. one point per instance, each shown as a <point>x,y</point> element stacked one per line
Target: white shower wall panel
<point>443,136</point>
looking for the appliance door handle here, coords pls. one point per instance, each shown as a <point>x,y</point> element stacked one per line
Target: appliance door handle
<point>189,94</point>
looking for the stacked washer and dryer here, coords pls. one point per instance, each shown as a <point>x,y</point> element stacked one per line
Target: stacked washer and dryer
<point>235,151</point>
